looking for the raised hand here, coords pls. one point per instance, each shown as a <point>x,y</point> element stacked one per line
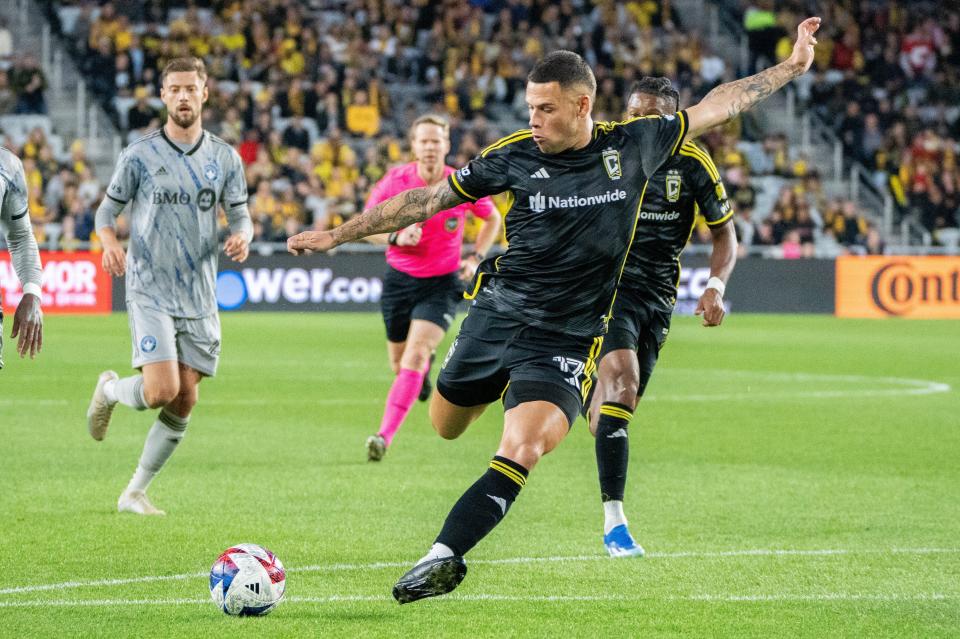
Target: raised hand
<point>803,48</point>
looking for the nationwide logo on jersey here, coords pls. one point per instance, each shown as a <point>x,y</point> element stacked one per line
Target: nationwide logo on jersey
<point>211,171</point>
<point>673,185</point>
<point>539,203</point>
<point>611,162</point>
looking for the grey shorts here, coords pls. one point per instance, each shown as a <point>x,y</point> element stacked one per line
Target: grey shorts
<point>158,337</point>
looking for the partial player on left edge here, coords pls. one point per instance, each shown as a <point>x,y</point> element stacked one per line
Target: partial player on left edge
<point>15,224</point>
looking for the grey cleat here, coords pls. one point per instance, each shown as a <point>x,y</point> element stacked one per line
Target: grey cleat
<point>376,447</point>
<point>100,410</point>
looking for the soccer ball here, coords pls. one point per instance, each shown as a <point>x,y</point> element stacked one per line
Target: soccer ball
<point>247,579</point>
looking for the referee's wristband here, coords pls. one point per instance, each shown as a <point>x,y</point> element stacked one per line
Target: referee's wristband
<point>392,238</point>
<point>32,289</point>
<point>717,284</point>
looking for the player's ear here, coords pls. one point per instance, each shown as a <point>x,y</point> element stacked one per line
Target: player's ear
<point>206,93</point>
<point>585,105</point>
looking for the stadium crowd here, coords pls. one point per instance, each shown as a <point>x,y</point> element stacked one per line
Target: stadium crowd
<point>301,90</point>
<point>887,77</point>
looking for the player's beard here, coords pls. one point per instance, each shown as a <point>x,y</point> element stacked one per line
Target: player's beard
<point>184,120</point>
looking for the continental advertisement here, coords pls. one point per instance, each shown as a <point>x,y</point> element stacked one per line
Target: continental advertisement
<point>71,283</point>
<point>910,287</point>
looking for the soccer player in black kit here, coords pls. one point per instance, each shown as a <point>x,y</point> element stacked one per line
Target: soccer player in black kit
<point>685,184</point>
<point>539,310</point>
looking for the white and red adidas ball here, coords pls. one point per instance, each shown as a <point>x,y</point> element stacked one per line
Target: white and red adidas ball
<point>247,579</point>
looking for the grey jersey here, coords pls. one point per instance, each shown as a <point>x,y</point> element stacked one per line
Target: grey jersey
<point>15,219</point>
<point>173,195</point>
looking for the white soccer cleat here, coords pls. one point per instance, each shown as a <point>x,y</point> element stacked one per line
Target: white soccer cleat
<point>135,501</point>
<point>100,410</point>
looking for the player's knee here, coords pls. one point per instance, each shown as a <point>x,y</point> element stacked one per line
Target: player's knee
<point>526,453</point>
<point>445,427</point>
<point>416,356</point>
<point>160,394</point>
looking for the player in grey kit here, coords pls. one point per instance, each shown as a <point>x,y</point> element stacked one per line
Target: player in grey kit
<point>15,225</point>
<point>171,181</point>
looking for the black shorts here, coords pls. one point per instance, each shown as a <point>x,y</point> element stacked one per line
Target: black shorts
<point>497,357</point>
<point>640,326</point>
<point>407,298</point>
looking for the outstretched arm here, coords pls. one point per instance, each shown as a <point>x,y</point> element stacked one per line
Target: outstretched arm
<point>728,100</point>
<point>398,212</point>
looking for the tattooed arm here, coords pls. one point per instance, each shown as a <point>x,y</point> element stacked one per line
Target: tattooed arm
<point>728,100</point>
<point>398,212</point>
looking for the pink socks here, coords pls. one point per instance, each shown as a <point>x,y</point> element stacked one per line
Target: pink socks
<point>406,387</point>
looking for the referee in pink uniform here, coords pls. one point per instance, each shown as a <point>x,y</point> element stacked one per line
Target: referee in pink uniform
<point>422,286</point>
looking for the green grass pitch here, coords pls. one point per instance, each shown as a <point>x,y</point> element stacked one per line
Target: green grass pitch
<point>790,477</point>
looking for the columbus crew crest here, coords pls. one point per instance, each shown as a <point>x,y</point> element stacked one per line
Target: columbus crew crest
<point>673,186</point>
<point>611,162</point>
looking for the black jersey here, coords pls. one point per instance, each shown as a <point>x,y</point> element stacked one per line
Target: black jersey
<point>571,222</point>
<point>686,183</point>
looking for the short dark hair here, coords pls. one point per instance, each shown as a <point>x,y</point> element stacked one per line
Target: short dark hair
<point>565,67</point>
<point>656,86</point>
<point>177,65</point>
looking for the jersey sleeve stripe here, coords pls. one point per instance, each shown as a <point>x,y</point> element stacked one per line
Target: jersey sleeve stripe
<point>116,200</point>
<point>236,204</point>
<point>683,131</point>
<point>721,221</point>
<point>703,158</point>
<point>20,214</point>
<point>510,139</point>
<point>707,160</point>
<point>456,185</point>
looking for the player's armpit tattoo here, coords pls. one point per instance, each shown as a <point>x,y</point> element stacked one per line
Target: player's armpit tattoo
<point>398,212</point>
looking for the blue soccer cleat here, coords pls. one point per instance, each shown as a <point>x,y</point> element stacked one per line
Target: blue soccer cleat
<point>619,543</point>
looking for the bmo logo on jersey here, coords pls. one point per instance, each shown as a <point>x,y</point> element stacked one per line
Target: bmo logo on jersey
<point>206,198</point>
<point>540,203</point>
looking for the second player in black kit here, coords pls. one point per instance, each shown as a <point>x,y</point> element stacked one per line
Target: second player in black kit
<point>686,185</point>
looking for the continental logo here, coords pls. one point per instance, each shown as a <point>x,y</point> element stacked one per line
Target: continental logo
<point>911,287</point>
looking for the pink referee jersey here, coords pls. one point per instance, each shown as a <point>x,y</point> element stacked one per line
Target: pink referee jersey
<point>438,252</point>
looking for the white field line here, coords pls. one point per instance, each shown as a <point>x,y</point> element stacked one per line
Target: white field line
<point>709,598</point>
<point>903,386</point>
<point>757,552</point>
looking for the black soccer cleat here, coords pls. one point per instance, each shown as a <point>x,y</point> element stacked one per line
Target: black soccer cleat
<point>426,389</point>
<point>430,579</point>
